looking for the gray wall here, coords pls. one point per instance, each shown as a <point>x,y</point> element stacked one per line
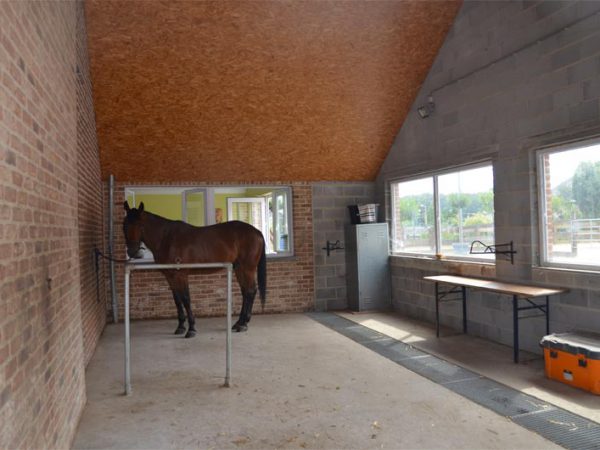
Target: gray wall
<point>511,77</point>
<point>330,216</point>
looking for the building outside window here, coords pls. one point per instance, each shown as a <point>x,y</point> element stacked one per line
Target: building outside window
<point>267,208</point>
<point>444,213</point>
<point>569,189</point>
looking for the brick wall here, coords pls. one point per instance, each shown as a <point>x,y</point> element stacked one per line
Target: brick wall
<point>41,337</point>
<point>89,203</point>
<point>43,146</point>
<point>511,77</point>
<point>330,215</point>
<point>290,282</point>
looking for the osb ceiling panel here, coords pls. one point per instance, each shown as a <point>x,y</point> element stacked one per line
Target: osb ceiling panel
<point>254,91</point>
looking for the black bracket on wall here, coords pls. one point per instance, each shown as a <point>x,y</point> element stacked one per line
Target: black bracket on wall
<point>331,246</point>
<point>498,249</point>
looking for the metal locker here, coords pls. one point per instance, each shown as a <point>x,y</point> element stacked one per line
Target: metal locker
<point>367,267</point>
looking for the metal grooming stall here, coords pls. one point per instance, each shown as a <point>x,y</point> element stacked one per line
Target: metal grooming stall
<point>130,267</point>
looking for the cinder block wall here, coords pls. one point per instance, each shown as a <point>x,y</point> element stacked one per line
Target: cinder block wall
<point>511,77</point>
<point>290,281</point>
<point>43,147</point>
<point>330,216</point>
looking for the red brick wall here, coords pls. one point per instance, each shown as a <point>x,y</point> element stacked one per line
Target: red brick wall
<point>290,282</point>
<point>42,390</point>
<point>90,205</point>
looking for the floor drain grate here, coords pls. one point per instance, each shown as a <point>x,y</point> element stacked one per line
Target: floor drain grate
<point>564,428</point>
<point>555,424</point>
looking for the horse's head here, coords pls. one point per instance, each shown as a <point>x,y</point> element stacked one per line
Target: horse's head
<point>133,228</point>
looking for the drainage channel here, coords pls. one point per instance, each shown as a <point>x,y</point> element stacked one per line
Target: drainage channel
<point>555,424</point>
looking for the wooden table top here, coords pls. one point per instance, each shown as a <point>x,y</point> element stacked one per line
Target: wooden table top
<point>521,290</point>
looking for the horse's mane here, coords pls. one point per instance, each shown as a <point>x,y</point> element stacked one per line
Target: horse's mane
<point>167,221</point>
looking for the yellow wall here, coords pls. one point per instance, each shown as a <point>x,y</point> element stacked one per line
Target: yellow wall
<point>169,205</point>
<point>164,205</point>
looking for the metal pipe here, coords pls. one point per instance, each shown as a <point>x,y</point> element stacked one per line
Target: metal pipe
<point>152,266</point>
<point>228,356</point>
<point>127,338</point>
<point>111,241</point>
<point>129,267</point>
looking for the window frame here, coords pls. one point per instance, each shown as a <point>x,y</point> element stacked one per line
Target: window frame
<point>263,210</point>
<point>437,216</point>
<point>543,261</point>
<point>393,219</point>
<point>210,191</point>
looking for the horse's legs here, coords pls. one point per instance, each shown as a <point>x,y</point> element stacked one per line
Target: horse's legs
<point>178,282</point>
<point>242,323</point>
<point>248,285</point>
<point>187,303</point>
<point>180,313</point>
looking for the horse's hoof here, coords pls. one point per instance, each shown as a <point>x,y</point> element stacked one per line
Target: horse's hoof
<point>190,334</point>
<point>239,328</point>
<point>180,330</point>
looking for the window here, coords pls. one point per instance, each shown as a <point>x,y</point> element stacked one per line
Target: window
<point>569,181</point>
<point>266,208</point>
<point>444,213</point>
<point>413,220</point>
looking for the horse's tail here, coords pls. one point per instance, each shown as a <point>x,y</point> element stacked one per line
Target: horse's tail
<point>262,276</point>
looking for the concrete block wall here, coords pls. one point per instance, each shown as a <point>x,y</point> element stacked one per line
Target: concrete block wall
<point>290,281</point>
<point>42,151</point>
<point>330,216</point>
<point>510,78</point>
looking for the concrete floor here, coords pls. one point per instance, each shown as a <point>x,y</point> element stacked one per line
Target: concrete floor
<point>485,357</point>
<point>296,384</point>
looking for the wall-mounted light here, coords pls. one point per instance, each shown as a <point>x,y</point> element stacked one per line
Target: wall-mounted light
<point>427,109</point>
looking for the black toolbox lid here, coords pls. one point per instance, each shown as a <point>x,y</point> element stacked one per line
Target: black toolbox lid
<point>577,343</point>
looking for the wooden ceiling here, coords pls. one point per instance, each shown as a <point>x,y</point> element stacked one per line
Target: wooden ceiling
<point>242,91</point>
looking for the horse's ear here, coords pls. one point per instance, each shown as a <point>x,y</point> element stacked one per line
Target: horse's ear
<point>126,206</point>
<point>141,207</point>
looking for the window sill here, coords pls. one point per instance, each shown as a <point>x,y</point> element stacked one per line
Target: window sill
<point>449,259</point>
<point>431,264</point>
<point>566,269</point>
<point>271,259</point>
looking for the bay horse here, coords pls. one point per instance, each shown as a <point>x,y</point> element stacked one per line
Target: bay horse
<point>174,241</point>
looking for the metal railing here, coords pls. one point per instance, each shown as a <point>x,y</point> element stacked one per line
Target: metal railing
<point>130,267</point>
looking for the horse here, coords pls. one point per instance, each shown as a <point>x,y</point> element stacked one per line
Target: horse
<point>174,241</point>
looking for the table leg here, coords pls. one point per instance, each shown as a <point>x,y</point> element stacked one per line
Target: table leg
<point>547,314</point>
<point>437,310</point>
<point>515,329</point>
<point>464,305</point>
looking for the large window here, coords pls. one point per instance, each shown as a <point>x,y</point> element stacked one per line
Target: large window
<point>266,208</point>
<point>444,213</point>
<point>569,181</point>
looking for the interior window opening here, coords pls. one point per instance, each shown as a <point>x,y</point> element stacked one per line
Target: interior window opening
<point>266,208</point>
